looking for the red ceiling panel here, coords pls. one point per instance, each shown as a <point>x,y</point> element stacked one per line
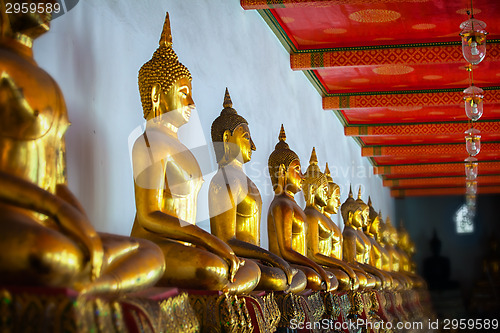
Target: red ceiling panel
<point>382,22</point>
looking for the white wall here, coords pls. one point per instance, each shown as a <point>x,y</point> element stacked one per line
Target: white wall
<point>95,51</point>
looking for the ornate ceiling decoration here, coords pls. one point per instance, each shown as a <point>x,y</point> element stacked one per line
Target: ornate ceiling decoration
<point>393,72</point>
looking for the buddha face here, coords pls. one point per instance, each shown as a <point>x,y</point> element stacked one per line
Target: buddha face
<point>375,226</point>
<point>241,141</point>
<point>393,235</point>
<point>357,218</point>
<point>321,195</point>
<point>333,203</point>
<point>364,216</point>
<point>294,177</point>
<point>176,104</point>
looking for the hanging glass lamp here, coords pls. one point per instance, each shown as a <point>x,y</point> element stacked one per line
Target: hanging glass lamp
<point>473,40</point>
<point>473,102</point>
<point>473,141</point>
<point>471,168</point>
<point>471,187</point>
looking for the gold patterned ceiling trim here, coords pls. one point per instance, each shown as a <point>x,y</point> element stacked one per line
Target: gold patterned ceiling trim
<point>400,193</point>
<point>414,55</point>
<point>439,181</point>
<point>427,170</point>
<point>426,150</point>
<point>420,129</point>
<point>381,100</point>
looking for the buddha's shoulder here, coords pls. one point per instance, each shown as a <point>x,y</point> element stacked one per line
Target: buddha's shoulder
<point>314,213</point>
<point>283,203</point>
<point>225,178</point>
<point>349,231</point>
<point>160,146</point>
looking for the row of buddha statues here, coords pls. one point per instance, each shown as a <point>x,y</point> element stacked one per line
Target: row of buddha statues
<point>47,239</point>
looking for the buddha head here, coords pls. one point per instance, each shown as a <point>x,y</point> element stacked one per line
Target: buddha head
<point>384,231</point>
<point>284,167</point>
<point>404,237</point>
<point>365,210</point>
<point>405,242</point>
<point>333,194</point>
<point>381,228</point>
<point>351,212</point>
<point>373,220</point>
<point>231,135</point>
<point>315,185</point>
<point>391,232</point>
<point>165,84</point>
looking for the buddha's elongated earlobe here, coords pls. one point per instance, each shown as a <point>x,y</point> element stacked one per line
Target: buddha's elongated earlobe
<point>280,188</point>
<point>155,100</point>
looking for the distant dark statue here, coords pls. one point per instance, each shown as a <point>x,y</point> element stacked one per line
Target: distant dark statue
<point>437,267</point>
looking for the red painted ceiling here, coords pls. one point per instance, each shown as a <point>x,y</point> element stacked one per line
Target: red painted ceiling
<point>365,57</point>
<point>375,23</point>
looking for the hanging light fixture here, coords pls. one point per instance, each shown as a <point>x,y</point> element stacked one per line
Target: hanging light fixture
<point>470,200</point>
<point>473,141</point>
<point>471,187</point>
<point>471,168</point>
<point>473,39</point>
<point>473,102</point>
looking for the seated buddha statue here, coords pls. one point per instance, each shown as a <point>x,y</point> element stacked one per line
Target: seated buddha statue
<point>389,241</point>
<point>381,280</point>
<point>406,248</point>
<point>46,239</point>
<point>167,179</point>
<point>235,203</point>
<point>379,256</point>
<point>322,233</point>
<point>286,221</point>
<point>353,246</point>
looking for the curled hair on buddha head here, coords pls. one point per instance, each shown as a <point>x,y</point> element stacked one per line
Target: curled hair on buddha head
<point>360,201</point>
<point>282,155</point>
<point>228,120</point>
<point>314,179</point>
<point>163,68</point>
<point>373,213</point>
<point>350,205</point>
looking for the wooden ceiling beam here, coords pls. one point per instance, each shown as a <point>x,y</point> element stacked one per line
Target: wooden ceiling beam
<point>425,150</point>
<point>439,182</point>
<point>402,99</point>
<point>401,193</point>
<point>428,170</point>
<point>420,129</point>
<point>410,54</point>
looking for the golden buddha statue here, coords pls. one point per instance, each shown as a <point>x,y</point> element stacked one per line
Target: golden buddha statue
<point>353,245</point>
<point>389,241</point>
<point>406,248</point>
<point>235,203</point>
<point>323,236</point>
<point>46,239</point>
<point>286,221</point>
<point>379,256</point>
<point>382,280</point>
<point>167,180</point>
